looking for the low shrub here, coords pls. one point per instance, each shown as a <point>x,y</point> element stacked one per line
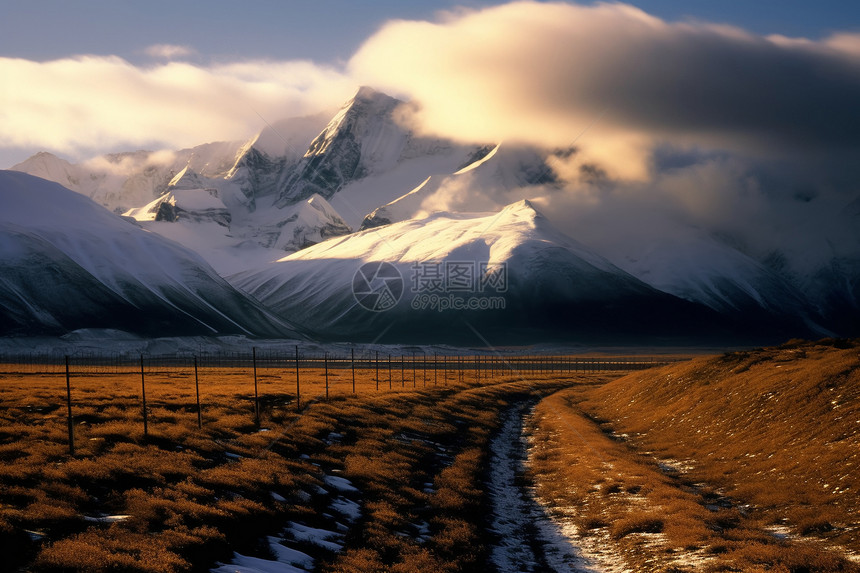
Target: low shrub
<point>637,523</point>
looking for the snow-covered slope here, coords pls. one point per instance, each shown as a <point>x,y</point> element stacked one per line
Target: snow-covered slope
<point>68,264</point>
<point>198,219</point>
<point>549,285</point>
<point>824,264</point>
<point>402,208</point>
<point>198,204</point>
<point>688,263</point>
<point>490,174</point>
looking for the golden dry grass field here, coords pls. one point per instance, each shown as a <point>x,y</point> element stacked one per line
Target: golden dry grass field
<point>181,497</point>
<point>743,462</point>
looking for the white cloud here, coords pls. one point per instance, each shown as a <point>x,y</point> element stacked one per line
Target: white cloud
<point>169,51</point>
<point>89,104</point>
<point>845,42</point>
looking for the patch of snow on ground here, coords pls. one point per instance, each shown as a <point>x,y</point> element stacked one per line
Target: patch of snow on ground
<point>289,555</point>
<point>346,507</point>
<point>315,536</point>
<point>244,564</point>
<point>780,532</point>
<point>528,539</point>
<point>339,483</point>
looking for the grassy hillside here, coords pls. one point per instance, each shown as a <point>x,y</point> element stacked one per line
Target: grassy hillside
<point>743,462</point>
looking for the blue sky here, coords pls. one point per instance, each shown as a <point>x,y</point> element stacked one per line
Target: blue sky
<point>324,30</point>
<point>218,67</point>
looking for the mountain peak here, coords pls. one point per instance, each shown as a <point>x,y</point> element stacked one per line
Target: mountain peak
<point>523,207</point>
<point>368,93</point>
<point>367,102</point>
<point>42,164</point>
<point>362,136</point>
<point>44,155</point>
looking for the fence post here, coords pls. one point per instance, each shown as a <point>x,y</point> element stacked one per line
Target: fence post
<point>353,369</point>
<point>389,372</point>
<point>143,395</point>
<point>326,375</point>
<point>69,406</point>
<point>435,373</point>
<point>298,399</point>
<point>377,370</point>
<point>256,394</point>
<point>197,391</point>
<point>402,372</point>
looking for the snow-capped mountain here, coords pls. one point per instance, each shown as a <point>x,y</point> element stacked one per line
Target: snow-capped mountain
<point>187,198</point>
<point>518,277</point>
<point>68,263</point>
<point>365,158</point>
<point>809,285</point>
<point>303,182</point>
<point>361,138</point>
<point>239,205</point>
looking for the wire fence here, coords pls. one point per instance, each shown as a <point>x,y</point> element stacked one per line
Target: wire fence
<point>120,363</point>
<point>30,382</point>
